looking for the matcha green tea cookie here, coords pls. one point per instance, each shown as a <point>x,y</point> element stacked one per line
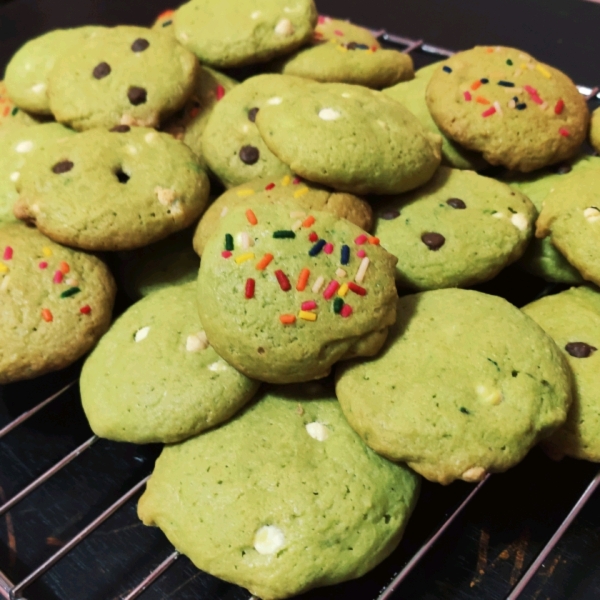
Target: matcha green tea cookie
<point>572,319</point>
<point>518,112</point>
<point>124,75</point>
<point>350,138</point>
<point>282,499</point>
<point>307,195</point>
<point>154,378</point>
<point>345,53</point>
<point>55,303</point>
<point>112,190</point>
<point>411,94</point>
<point>285,292</point>
<point>28,70</point>
<point>17,145</point>
<point>189,123</point>
<point>571,218</point>
<point>10,114</point>
<point>232,33</point>
<point>595,130</point>
<point>231,143</point>
<point>465,386</point>
<point>457,230</point>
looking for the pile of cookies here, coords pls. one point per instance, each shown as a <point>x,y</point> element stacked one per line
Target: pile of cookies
<point>326,353</point>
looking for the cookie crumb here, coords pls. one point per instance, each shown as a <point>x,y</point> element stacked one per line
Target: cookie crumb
<point>473,474</point>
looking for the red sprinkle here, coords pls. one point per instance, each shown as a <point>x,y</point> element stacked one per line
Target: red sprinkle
<point>85,310</point>
<point>250,283</point>
<point>269,187</point>
<point>8,253</point>
<point>564,132</point>
<point>308,305</point>
<point>357,289</point>
<point>226,254</point>
<point>338,32</point>
<point>467,96</point>
<point>374,48</point>
<point>58,277</point>
<point>346,311</point>
<point>313,237</point>
<point>47,315</point>
<point>331,289</point>
<point>361,239</point>
<point>328,248</point>
<point>220,92</point>
<point>284,282</point>
<point>43,265</point>
<point>489,112</point>
<point>322,19</point>
<point>559,106</point>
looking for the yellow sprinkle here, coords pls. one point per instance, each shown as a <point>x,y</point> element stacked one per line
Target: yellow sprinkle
<point>243,193</point>
<point>343,290</point>
<point>3,268</point>
<point>543,71</point>
<point>46,251</point>
<point>307,316</point>
<point>286,180</point>
<point>244,257</point>
<point>301,192</point>
<point>523,66</point>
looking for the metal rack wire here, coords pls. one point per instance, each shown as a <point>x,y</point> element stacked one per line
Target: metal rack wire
<point>14,591</point>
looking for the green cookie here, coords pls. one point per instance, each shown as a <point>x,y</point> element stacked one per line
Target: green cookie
<point>466,385</point>
<point>457,230</point>
<point>285,298</point>
<point>232,33</point>
<point>572,319</point>
<point>571,217</point>
<point>412,95</point>
<point>55,303</point>
<point>112,190</point>
<point>17,145</point>
<point>518,112</point>
<point>350,138</point>
<point>154,378</point>
<point>124,75</point>
<point>10,114</point>
<point>284,498</point>
<point>345,53</point>
<point>307,195</point>
<point>595,130</point>
<point>231,144</point>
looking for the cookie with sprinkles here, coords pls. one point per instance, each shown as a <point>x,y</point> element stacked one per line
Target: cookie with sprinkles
<point>466,385</point>
<point>112,190</point>
<point>28,71</point>
<point>10,114</point>
<point>345,53</point>
<point>55,303</point>
<point>350,138</point>
<point>457,230</point>
<point>233,33</point>
<point>411,94</point>
<point>122,76</point>
<point>17,145</point>
<point>516,111</point>
<point>572,319</point>
<point>154,377</point>
<point>570,216</point>
<point>308,196</point>
<point>284,293</point>
<point>319,507</point>
<point>595,130</point>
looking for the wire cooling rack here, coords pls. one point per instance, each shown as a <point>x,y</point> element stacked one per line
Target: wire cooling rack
<point>389,581</point>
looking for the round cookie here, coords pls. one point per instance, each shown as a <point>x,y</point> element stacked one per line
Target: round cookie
<point>345,53</point>
<point>501,102</point>
<point>17,145</point>
<point>154,378</point>
<point>595,130</point>
<point>282,499</point>
<point>124,75</point>
<point>28,71</point>
<point>457,230</point>
<point>350,138</point>
<point>112,190</point>
<point>571,217</point>
<point>55,303</point>
<point>232,33</point>
<point>231,143</point>
<point>285,293</point>
<point>10,114</point>
<point>572,319</point>
<point>465,386</point>
<point>411,94</point>
<point>307,195</point>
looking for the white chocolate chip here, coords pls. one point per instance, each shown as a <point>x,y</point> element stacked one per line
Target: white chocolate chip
<point>592,214</point>
<point>141,334</point>
<point>23,147</point>
<point>132,150</point>
<point>274,101</point>
<point>296,225</point>
<point>519,220</point>
<point>498,215</point>
<point>382,124</point>
<point>269,539</point>
<point>490,395</point>
<point>196,342</point>
<point>183,35</point>
<point>224,211</point>
<point>255,14</point>
<point>166,196</point>
<point>4,283</point>
<point>245,128</point>
<point>39,88</point>
<point>329,114</point>
<point>71,281</point>
<point>244,240</point>
<point>473,474</point>
<point>284,27</point>
<point>150,137</point>
<point>15,176</point>
<point>218,366</point>
<point>346,95</point>
<point>318,431</point>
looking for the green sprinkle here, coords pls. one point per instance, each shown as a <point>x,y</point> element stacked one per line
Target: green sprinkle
<point>14,111</point>
<point>509,62</point>
<point>338,304</point>
<point>283,234</point>
<point>464,410</point>
<point>228,242</point>
<point>70,292</point>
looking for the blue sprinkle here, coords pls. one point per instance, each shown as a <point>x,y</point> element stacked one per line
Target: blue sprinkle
<point>447,69</point>
<point>316,249</point>
<point>345,255</point>
<point>521,106</point>
<point>506,83</point>
<point>484,80</point>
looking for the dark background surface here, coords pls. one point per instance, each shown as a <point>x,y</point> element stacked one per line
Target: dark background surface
<point>501,531</point>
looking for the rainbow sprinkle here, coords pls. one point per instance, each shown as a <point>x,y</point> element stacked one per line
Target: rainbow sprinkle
<point>308,305</point>
<point>302,280</point>
<point>269,187</point>
<point>249,289</point>
<point>361,253</point>
<point>284,282</point>
<point>287,319</point>
<point>251,217</point>
<point>47,315</point>
<point>345,255</point>
<point>308,222</point>
<point>70,292</point>
<point>318,284</point>
<point>228,242</point>
<point>312,237</point>
<point>8,253</point>
<point>360,240</point>
<point>263,263</point>
<point>58,277</point>
<point>316,249</point>
<point>328,248</point>
<point>220,92</point>
<point>346,311</point>
<point>357,289</point>
<point>560,105</point>
<point>242,258</point>
<point>338,303</point>
<point>307,316</point>
<point>43,265</point>
<point>331,289</point>
<point>343,290</point>
<point>362,270</point>
<point>226,254</point>
<point>85,310</point>
<point>283,234</point>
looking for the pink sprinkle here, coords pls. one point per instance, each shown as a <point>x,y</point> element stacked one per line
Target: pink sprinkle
<point>533,93</point>
<point>58,277</point>
<point>220,92</point>
<point>331,289</point>
<point>338,32</point>
<point>226,254</point>
<point>43,265</point>
<point>8,253</point>
<point>489,112</point>
<point>361,253</point>
<point>563,132</point>
<point>296,180</point>
<point>322,19</point>
<point>346,311</point>
<point>467,95</point>
<point>309,305</point>
<point>328,248</point>
<point>360,240</point>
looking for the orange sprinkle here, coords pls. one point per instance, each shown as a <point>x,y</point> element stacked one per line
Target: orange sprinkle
<point>64,268</point>
<point>6,109</point>
<point>262,264</point>
<point>287,319</point>
<point>476,85</point>
<point>47,315</point>
<point>166,14</point>
<point>489,50</point>
<point>308,221</point>
<point>303,280</point>
<point>374,240</point>
<point>251,217</point>
<point>482,100</point>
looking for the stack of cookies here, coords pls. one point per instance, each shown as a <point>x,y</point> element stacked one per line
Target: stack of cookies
<point>327,352</point>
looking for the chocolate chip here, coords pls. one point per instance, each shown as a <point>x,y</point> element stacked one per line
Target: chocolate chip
<point>137,95</point>
<point>122,176</point>
<point>390,215</point>
<point>456,203</point>
<point>562,168</point>
<point>62,167</point>
<point>252,114</point>
<point>121,128</point>
<point>434,241</point>
<point>249,155</point>
<point>580,349</point>
<point>140,45</point>
<point>101,70</point>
